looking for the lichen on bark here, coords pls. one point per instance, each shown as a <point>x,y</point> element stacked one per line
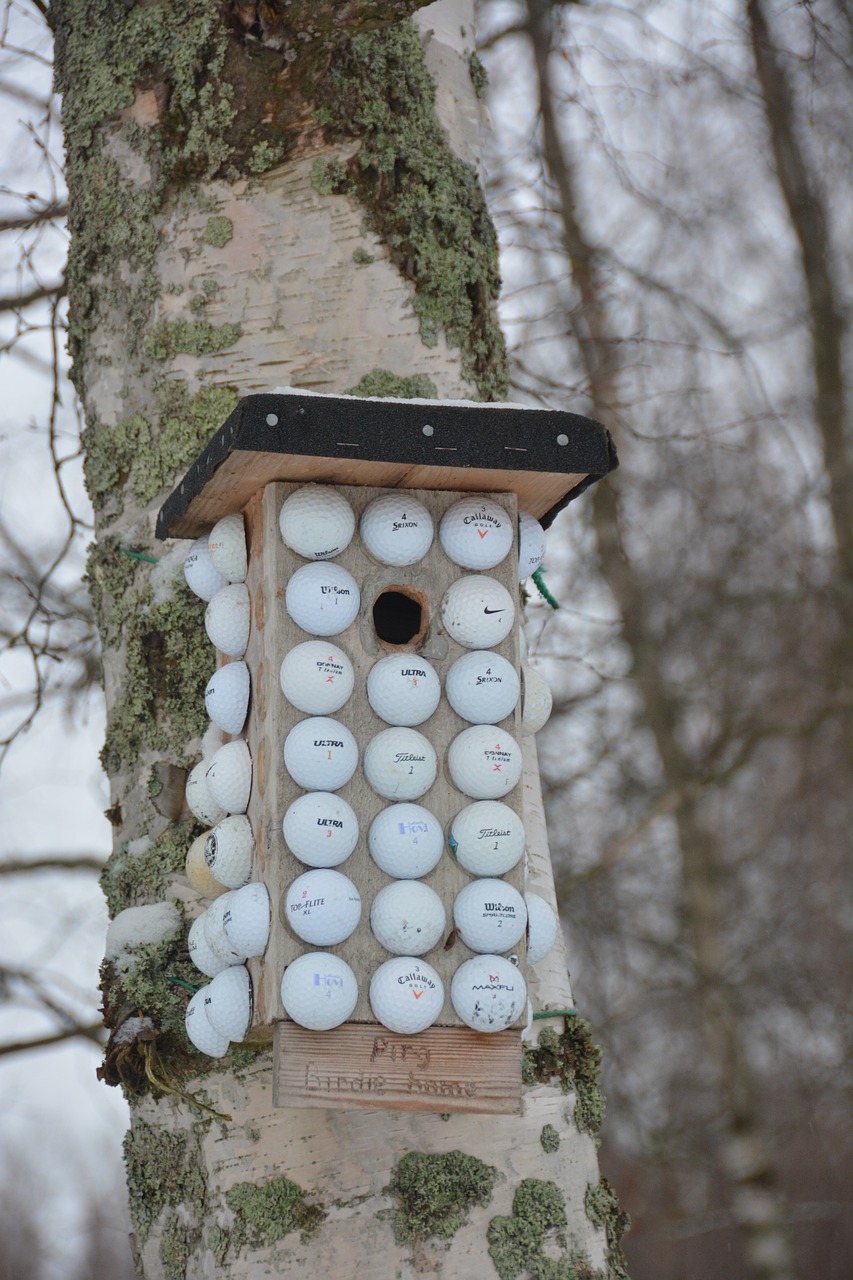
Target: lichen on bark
<point>434,1193</point>
<point>573,1059</point>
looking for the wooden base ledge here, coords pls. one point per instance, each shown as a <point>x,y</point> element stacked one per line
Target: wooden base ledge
<point>441,1069</point>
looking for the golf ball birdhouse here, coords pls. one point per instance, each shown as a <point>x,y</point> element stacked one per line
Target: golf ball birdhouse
<point>364,858</point>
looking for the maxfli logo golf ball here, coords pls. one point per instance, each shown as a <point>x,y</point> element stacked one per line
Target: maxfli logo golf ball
<point>531,545</point>
<point>408,918</point>
<point>320,829</point>
<point>487,838</point>
<point>406,995</point>
<point>322,907</point>
<point>488,993</point>
<point>319,990</point>
<point>400,764</point>
<point>477,612</point>
<point>542,928</point>
<point>403,689</point>
<point>405,841</point>
<point>484,762</point>
<point>482,687</point>
<point>322,599</point>
<point>396,529</point>
<point>320,754</point>
<point>317,677</point>
<point>476,533</point>
<point>489,915</point>
<point>316,522</point>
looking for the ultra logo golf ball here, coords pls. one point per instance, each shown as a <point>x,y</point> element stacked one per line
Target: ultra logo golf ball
<point>403,689</point>
<point>320,829</point>
<point>320,754</point>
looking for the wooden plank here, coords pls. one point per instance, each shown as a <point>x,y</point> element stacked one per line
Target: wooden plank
<point>438,1070</point>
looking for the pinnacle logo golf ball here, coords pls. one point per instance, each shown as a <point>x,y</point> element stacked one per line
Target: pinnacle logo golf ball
<point>226,545</point>
<point>246,919</point>
<point>322,599</point>
<point>319,990</point>
<point>476,533</point>
<point>477,612</point>
<point>536,703</point>
<point>400,764</point>
<point>229,777</point>
<point>403,689</point>
<point>405,841</point>
<point>226,620</point>
<point>317,677</point>
<point>317,523</point>
<point>408,918</point>
<point>228,1002</point>
<point>200,1032</point>
<point>489,915</point>
<point>484,762</point>
<point>226,697</point>
<point>320,829</point>
<point>320,754</point>
<point>542,928</point>
<point>396,529</point>
<point>228,851</point>
<point>482,687</point>
<point>488,993</point>
<point>322,907</point>
<point>202,577</point>
<point>406,995</point>
<point>531,545</point>
<point>487,838</point>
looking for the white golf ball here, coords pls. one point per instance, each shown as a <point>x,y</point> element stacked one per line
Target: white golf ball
<point>214,931</point>
<point>408,918</point>
<point>484,762</point>
<point>198,796</point>
<point>488,993</point>
<point>197,871</point>
<point>201,575</point>
<point>229,776</point>
<point>542,928</point>
<point>320,829</point>
<point>246,919</point>
<point>320,754</point>
<point>476,533</point>
<point>228,1003</point>
<point>537,701</point>
<point>400,764</point>
<point>316,522</point>
<point>403,689</point>
<point>226,697</point>
<point>228,851</point>
<point>396,529</point>
<point>477,612</point>
<point>322,907</point>
<point>226,544</point>
<point>531,545</point>
<point>202,954</point>
<point>405,841</point>
<point>482,687</point>
<point>406,995</point>
<point>489,915</point>
<point>322,599</point>
<point>319,990</point>
<point>487,838</point>
<point>317,677</point>
<point>226,620</point>
<point>200,1032</point>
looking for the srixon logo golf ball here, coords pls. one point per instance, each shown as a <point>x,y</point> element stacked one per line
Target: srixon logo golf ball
<point>320,754</point>
<point>489,915</point>
<point>322,599</point>
<point>397,529</point>
<point>322,907</point>
<point>320,829</point>
<point>484,762</point>
<point>317,677</point>
<point>476,533</point>
<point>477,612</point>
<point>405,841</point>
<point>487,838</point>
<point>316,522</point>
<point>400,764</point>
<point>482,687</point>
<point>403,689</point>
<point>406,995</point>
<point>488,993</point>
<point>319,990</point>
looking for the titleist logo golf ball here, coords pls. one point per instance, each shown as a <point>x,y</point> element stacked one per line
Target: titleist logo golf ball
<point>489,915</point>
<point>320,754</point>
<point>482,687</point>
<point>406,995</point>
<point>321,829</point>
<point>488,993</point>
<point>403,690</point>
<point>316,522</point>
<point>396,529</point>
<point>531,545</point>
<point>317,677</point>
<point>319,990</point>
<point>405,841</point>
<point>476,533</point>
<point>484,762</point>
<point>487,838</point>
<point>322,907</point>
<point>322,599</point>
<point>400,764</point>
<point>477,612</point>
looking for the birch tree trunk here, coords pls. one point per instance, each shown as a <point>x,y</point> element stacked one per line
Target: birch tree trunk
<point>261,195</point>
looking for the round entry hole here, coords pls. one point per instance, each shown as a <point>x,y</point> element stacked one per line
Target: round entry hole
<point>400,617</point>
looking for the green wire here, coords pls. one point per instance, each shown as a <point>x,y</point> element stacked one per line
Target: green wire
<point>179,982</point>
<point>137,555</point>
<point>543,590</point>
<point>557,1013</point>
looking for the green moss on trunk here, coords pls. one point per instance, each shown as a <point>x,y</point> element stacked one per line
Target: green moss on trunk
<point>517,1243</point>
<point>435,1192</point>
<point>602,1208</point>
<point>572,1059</point>
<point>266,1213</point>
<point>381,382</point>
<point>164,1169</point>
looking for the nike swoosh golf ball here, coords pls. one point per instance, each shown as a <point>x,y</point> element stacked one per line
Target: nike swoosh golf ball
<point>477,612</point>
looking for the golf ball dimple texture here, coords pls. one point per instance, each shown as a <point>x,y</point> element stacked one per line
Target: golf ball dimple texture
<point>202,954</point>
<point>531,545</point>
<point>476,533</point>
<point>484,762</point>
<point>316,522</point>
<point>246,919</point>
<point>406,995</point>
<point>317,677</point>
<point>320,829</point>
<point>322,599</point>
<point>198,873</point>
<point>537,701</point>
<point>214,931</point>
<point>226,620</point>
<point>228,851</point>
<point>226,544</point>
<point>488,993</point>
<point>229,1002</point>
<point>400,764</point>
<point>489,915</point>
<point>229,777</point>
<point>201,1033</point>
<point>487,838</point>
<point>199,798</point>
<point>322,907</point>
<point>542,928</point>
<point>405,841</point>
<point>319,990</point>
<point>403,689</point>
<point>482,687</point>
<point>477,612</point>
<point>408,918</point>
<point>396,529</point>
<point>320,754</point>
<point>202,577</point>
<point>226,697</point>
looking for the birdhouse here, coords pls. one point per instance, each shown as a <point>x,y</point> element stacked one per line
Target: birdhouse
<point>365,860</point>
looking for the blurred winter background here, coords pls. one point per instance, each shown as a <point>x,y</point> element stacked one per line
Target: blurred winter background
<point>674,204</point>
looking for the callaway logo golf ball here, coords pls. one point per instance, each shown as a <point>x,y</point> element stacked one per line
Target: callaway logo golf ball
<point>322,907</point>
<point>322,599</point>
<point>489,915</point>
<point>319,990</point>
<point>487,838</point>
<point>476,533</point>
<point>317,677</point>
<point>403,689</point>
<point>488,993</point>
<point>406,995</point>
<point>482,687</point>
<point>320,829</point>
<point>396,529</point>
<point>408,918</point>
<point>400,764</point>
<point>316,522</point>
<point>405,841</point>
<point>320,754</point>
<point>477,612</point>
<point>484,762</point>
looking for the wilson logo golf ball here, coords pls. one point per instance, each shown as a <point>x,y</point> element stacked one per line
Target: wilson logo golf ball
<point>405,841</point>
<point>476,533</point>
<point>488,993</point>
<point>403,689</point>
<point>322,907</point>
<point>489,915</point>
<point>317,677</point>
<point>406,995</point>
<point>408,918</point>
<point>322,599</point>
<point>477,612</point>
<point>531,545</point>
<point>484,762</point>
<point>482,687</point>
<point>320,754</point>
<point>316,522</point>
<point>320,829</point>
<point>319,990</point>
<point>400,764</point>
<point>487,838</point>
<point>396,529</point>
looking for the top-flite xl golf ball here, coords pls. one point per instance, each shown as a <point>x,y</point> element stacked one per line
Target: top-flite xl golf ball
<point>320,754</point>
<point>400,764</point>
<point>487,838</point>
<point>482,687</point>
<point>396,529</point>
<point>320,829</point>
<point>406,995</point>
<point>477,611</point>
<point>317,677</point>
<point>319,990</point>
<point>405,840</point>
<point>322,907</point>
<point>484,762</point>
<point>317,522</point>
<point>322,599</point>
<point>403,689</point>
<point>202,576</point>
<point>531,545</point>
<point>489,915</point>
<point>476,533</point>
<point>488,993</point>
